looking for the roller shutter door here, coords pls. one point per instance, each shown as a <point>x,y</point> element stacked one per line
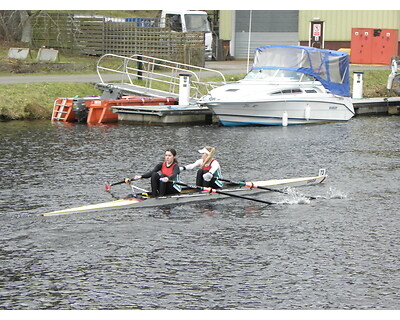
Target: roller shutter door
<point>269,27</point>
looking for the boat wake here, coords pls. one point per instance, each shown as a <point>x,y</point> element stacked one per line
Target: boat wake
<point>294,196</point>
<point>336,194</point>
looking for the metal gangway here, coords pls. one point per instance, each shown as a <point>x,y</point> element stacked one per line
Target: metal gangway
<point>154,77</point>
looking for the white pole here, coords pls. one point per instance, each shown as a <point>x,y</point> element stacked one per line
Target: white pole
<point>358,85</point>
<point>248,45</point>
<point>184,89</point>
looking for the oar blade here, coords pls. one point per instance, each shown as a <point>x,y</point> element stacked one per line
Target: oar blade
<point>108,187</point>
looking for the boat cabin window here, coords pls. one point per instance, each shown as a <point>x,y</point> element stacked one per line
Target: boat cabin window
<point>277,75</point>
<point>310,91</point>
<point>231,90</point>
<point>288,91</point>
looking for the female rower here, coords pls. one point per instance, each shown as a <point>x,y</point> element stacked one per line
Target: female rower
<point>161,183</point>
<point>210,170</point>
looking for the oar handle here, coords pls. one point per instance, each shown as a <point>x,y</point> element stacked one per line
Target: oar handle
<point>242,183</point>
<point>108,185</point>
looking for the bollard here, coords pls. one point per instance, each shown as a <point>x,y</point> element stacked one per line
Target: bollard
<point>184,89</point>
<point>358,85</point>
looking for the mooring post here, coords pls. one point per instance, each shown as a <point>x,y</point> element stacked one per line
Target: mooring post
<point>184,89</point>
<point>358,85</point>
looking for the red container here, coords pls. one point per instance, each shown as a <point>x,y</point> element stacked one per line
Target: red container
<point>373,46</point>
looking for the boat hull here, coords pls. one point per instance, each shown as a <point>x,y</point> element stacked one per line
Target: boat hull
<point>278,112</point>
<point>153,202</point>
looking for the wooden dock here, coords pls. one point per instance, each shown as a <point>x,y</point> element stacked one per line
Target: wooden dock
<point>165,115</point>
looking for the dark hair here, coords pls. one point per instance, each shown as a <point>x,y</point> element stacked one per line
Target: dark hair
<point>173,151</point>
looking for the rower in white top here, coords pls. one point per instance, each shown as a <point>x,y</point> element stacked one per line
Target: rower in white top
<point>209,169</point>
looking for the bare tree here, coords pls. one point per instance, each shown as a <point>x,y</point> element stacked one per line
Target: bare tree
<point>16,25</point>
<point>9,21</point>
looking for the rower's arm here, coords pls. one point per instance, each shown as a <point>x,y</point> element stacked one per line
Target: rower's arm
<point>191,166</point>
<point>156,169</point>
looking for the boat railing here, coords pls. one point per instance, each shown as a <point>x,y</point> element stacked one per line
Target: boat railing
<point>158,75</point>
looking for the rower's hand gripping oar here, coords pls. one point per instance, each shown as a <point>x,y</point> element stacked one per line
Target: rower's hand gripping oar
<point>251,185</point>
<point>211,190</point>
<point>108,185</point>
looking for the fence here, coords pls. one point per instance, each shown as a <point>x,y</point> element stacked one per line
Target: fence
<point>96,36</point>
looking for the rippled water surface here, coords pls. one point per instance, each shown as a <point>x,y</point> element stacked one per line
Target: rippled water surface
<point>340,251</point>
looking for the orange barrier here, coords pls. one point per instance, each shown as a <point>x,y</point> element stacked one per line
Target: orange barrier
<point>146,101</point>
<point>62,110</point>
<point>99,111</point>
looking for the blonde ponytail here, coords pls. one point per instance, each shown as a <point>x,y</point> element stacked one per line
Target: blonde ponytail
<point>210,156</point>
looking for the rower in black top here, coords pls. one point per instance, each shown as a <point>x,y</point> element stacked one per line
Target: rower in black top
<point>162,183</point>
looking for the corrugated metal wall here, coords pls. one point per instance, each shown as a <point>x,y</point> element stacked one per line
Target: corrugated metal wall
<point>267,20</point>
<point>338,23</point>
<point>268,27</point>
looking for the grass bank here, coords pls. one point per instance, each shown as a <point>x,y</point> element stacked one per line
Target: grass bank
<point>35,100</point>
<point>374,83</point>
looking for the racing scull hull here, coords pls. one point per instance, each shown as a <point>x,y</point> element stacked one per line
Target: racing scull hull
<point>189,197</point>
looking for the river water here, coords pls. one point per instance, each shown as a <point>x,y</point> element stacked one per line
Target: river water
<point>337,252</point>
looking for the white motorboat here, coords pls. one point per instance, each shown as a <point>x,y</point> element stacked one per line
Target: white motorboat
<point>287,85</point>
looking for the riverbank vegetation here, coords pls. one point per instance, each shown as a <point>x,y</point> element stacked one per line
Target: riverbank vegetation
<point>35,100</point>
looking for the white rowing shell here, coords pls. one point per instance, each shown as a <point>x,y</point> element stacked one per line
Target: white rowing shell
<point>293,181</point>
<point>98,206</point>
<point>182,198</point>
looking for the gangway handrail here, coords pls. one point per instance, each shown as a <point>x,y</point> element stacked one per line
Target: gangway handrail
<point>149,74</point>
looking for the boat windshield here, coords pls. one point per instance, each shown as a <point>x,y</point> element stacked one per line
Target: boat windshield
<point>197,23</point>
<point>277,75</point>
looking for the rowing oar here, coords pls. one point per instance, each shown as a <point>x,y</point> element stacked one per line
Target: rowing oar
<point>211,190</point>
<point>251,185</point>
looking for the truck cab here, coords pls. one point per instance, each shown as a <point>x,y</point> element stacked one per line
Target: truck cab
<point>190,21</point>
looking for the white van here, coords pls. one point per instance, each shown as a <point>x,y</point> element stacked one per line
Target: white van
<point>190,21</point>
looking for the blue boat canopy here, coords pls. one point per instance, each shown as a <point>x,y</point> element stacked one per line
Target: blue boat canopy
<point>329,67</point>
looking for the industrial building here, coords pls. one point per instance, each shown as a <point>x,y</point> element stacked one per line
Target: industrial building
<point>372,34</point>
